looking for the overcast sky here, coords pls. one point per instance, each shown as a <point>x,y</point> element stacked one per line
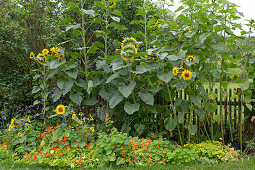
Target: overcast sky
<point>245,6</point>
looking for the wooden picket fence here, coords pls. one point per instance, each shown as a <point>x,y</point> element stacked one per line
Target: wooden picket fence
<point>232,110</point>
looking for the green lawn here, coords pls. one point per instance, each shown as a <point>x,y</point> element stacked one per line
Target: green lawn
<point>231,85</point>
<point>248,164</point>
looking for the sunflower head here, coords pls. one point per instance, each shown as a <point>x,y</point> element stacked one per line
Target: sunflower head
<point>73,116</point>
<point>186,75</point>
<point>113,4</point>
<point>191,58</point>
<point>60,109</point>
<point>45,51</point>
<point>11,126</point>
<point>80,122</point>
<point>175,71</point>
<point>19,134</point>
<point>31,55</point>
<point>28,120</point>
<point>92,128</point>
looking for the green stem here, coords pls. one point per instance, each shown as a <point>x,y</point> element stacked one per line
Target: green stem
<point>174,112</point>
<point>84,43</point>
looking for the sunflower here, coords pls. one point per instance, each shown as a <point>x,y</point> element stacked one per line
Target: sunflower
<point>45,51</point>
<point>80,122</point>
<point>53,49</point>
<point>11,126</point>
<point>92,128</point>
<point>73,116</point>
<point>191,58</point>
<point>113,4</point>
<point>91,117</point>
<point>12,121</point>
<point>159,20</point>
<point>186,74</point>
<point>175,71</point>
<point>19,134</point>
<point>28,120</point>
<point>31,55</point>
<point>40,57</point>
<point>60,109</point>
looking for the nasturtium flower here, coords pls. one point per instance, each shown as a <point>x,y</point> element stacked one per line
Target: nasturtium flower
<point>113,4</point>
<point>80,122</point>
<point>45,51</point>
<point>60,109</point>
<point>31,55</point>
<point>35,157</point>
<point>189,30</point>
<point>191,58</point>
<point>92,128</point>
<point>175,71</point>
<point>19,134</point>
<point>186,75</point>
<point>73,116</point>
<point>106,117</point>
<point>28,120</point>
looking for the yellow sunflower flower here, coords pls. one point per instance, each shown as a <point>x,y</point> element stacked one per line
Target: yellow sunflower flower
<point>11,126</point>
<point>53,49</point>
<point>191,58</point>
<point>92,128</point>
<point>45,51</point>
<point>73,116</point>
<point>186,75</point>
<point>31,55</point>
<point>80,122</point>
<point>12,121</point>
<point>91,117</point>
<point>113,4</point>
<point>159,20</point>
<point>60,109</point>
<point>28,120</point>
<point>19,134</point>
<point>175,71</point>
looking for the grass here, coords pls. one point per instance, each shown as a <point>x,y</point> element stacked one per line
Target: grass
<point>247,164</point>
<point>231,85</point>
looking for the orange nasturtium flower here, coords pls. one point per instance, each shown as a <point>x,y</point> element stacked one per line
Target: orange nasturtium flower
<point>60,109</point>
<point>35,157</point>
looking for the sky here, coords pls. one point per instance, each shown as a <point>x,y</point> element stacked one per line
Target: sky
<point>245,6</point>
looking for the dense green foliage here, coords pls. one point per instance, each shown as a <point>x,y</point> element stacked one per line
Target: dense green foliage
<point>117,68</point>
